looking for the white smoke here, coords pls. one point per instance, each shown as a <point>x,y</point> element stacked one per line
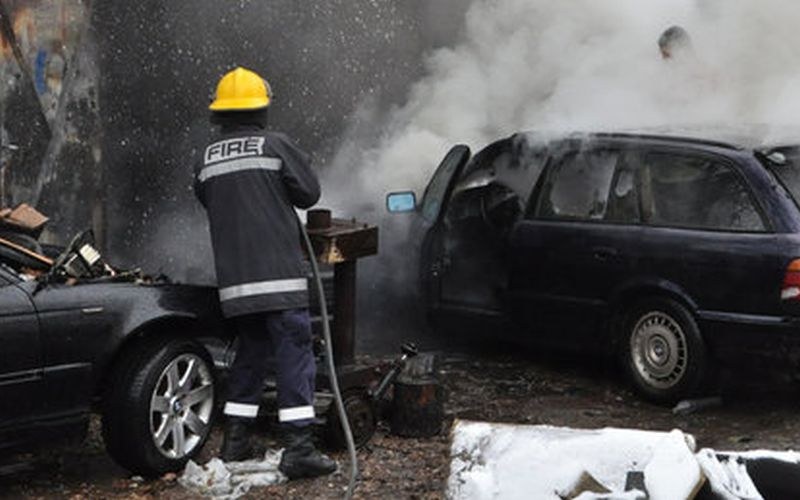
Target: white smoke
<point>571,65</point>
<point>554,66</point>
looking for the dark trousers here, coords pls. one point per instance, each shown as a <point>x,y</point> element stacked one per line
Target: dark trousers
<point>286,336</point>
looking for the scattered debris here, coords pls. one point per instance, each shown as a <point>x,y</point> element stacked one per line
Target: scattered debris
<point>689,406</point>
<point>554,463</point>
<point>418,402</point>
<point>169,477</point>
<point>634,481</point>
<point>741,439</point>
<point>584,483</point>
<point>520,461</point>
<point>774,474</point>
<point>673,472</point>
<point>727,477</point>
<point>228,481</point>
<point>24,219</point>
<point>628,495</point>
<point>515,386</point>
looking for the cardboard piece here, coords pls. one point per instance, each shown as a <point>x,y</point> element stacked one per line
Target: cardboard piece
<point>24,218</point>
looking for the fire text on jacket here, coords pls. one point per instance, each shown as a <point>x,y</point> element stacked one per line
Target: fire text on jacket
<point>230,149</point>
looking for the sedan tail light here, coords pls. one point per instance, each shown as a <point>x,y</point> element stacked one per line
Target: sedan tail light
<point>791,282</point>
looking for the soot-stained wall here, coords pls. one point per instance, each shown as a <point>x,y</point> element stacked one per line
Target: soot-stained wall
<point>48,110</point>
<point>107,101</point>
<point>159,61</point>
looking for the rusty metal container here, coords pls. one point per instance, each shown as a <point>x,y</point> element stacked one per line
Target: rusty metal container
<point>318,218</point>
<point>418,403</point>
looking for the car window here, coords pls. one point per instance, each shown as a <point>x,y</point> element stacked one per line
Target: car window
<point>437,189</point>
<point>578,187</point>
<point>623,202</point>
<point>696,192</point>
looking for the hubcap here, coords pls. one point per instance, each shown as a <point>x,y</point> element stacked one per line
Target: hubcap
<point>658,350</point>
<point>181,406</point>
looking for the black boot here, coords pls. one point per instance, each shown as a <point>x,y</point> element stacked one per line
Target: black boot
<point>301,458</point>
<point>236,444</point>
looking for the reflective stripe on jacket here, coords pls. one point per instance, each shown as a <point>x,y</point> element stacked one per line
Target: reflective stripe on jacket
<point>249,181</point>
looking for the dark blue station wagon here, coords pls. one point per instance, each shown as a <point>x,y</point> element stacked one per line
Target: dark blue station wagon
<point>671,253</point>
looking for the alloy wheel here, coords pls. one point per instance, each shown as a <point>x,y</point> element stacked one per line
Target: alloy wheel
<point>181,406</point>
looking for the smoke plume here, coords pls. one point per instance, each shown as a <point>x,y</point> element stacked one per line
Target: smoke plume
<point>550,66</point>
<point>580,65</point>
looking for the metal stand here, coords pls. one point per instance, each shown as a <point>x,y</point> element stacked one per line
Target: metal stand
<point>341,243</point>
<point>344,316</point>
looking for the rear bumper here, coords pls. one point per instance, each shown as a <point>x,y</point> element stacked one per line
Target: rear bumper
<point>735,337</point>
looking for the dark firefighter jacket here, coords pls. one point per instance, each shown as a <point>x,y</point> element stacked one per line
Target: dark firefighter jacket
<point>249,181</point>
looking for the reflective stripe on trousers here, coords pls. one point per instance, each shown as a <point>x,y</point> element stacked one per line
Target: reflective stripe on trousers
<point>286,337</point>
<point>295,414</point>
<point>240,410</point>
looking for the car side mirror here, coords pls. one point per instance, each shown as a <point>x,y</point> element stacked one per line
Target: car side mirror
<point>401,202</point>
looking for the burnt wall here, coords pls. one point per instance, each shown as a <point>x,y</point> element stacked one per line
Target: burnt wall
<point>107,100</point>
<point>48,109</point>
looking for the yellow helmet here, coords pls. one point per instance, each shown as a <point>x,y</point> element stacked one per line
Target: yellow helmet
<point>241,90</point>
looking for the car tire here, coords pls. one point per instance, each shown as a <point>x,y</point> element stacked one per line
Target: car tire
<point>159,408</point>
<point>663,351</point>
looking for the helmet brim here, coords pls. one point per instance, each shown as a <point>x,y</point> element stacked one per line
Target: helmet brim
<point>239,104</point>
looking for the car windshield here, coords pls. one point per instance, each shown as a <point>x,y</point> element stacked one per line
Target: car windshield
<point>785,164</point>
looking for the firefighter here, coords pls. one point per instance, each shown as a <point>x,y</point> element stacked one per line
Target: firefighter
<point>250,181</point>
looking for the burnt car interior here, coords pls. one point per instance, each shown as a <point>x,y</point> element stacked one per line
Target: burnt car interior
<point>578,187</point>
<point>659,189</point>
<point>696,192</point>
<point>487,200</point>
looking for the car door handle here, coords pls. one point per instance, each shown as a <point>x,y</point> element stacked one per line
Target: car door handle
<point>92,310</point>
<point>604,253</point>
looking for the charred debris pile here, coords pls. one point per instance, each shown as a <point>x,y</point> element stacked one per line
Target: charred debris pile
<point>22,252</point>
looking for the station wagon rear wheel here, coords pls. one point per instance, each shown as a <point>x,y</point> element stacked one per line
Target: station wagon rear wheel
<point>663,351</point>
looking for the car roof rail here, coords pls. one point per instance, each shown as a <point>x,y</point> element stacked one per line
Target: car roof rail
<point>668,138</point>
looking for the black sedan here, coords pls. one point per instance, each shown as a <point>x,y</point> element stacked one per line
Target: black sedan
<point>668,252</point>
<point>79,336</point>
